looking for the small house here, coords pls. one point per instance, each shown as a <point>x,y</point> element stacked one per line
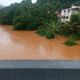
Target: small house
<point>65,14</point>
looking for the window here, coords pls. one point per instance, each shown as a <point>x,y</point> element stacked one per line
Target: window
<point>66,17</point>
<point>59,17</point>
<point>63,17</point>
<point>68,10</point>
<point>64,10</point>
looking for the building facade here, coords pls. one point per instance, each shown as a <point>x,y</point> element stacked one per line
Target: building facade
<point>65,14</point>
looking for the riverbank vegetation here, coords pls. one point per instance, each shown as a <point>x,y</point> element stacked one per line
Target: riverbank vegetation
<point>71,29</point>
<point>42,18</point>
<point>70,43</point>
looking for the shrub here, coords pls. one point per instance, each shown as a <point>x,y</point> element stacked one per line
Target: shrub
<point>4,19</point>
<point>41,31</point>
<point>75,36</point>
<point>70,43</point>
<point>51,30</point>
<point>50,35</point>
<point>70,28</point>
<point>64,29</point>
<point>75,23</point>
<point>75,18</point>
<point>19,26</point>
<point>45,32</point>
<point>27,22</point>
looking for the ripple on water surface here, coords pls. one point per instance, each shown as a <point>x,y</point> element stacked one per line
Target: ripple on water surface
<point>29,45</point>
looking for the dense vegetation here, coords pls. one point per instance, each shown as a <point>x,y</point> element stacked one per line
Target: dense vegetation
<point>43,11</point>
<point>71,29</point>
<point>27,15</point>
<point>41,17</point>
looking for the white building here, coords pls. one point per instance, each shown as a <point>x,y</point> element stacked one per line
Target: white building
<point>65,14</point>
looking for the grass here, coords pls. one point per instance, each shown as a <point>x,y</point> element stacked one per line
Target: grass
<point>70,43</point>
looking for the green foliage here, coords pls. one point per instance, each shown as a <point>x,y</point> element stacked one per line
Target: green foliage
<point>35,17</point>
<point>52,27</point>
<point>27,22</point>
<point>75,18</point>
<point>19,26</point>
<point>70,43</point>
<point>50,35</point>
<point>42,31</point>
<point>70,28</point>
<point>75,23</point>
<point>49,31</point>
<point>45,32</point>
<point>59,4</point>
<point>43,10</point>
<point>75,36</point>
<point>64,28</point>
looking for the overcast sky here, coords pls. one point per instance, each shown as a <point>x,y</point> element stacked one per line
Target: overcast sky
<point>8,2</point>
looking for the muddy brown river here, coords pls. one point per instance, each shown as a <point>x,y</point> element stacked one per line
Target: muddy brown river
<point>16,45</point>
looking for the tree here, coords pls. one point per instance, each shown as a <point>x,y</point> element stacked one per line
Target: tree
<point>75,18</point>
<point>75,23</point>
<point>24,22</point>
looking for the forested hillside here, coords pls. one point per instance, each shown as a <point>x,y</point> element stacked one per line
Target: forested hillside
<point>60,3</point>
<point>33,15</point>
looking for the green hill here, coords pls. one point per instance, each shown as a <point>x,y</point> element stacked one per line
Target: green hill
<point>41,9</point>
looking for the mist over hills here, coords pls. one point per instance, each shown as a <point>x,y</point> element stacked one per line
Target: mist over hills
<point>1,6</point>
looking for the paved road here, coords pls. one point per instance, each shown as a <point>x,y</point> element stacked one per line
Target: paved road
<point>43,64</point>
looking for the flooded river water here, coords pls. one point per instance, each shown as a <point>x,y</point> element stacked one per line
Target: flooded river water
<point>28,45</point>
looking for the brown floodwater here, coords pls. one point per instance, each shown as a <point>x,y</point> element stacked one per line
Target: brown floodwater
<point>16,45</point>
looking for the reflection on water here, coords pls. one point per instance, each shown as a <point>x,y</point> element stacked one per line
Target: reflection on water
<point>29,45</point>
<point>4,36</point>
